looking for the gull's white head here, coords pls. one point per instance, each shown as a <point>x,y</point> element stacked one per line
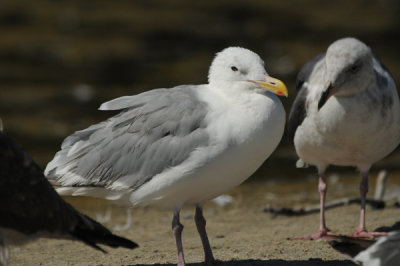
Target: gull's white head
<point>348,68</point>
<point>239,67</point>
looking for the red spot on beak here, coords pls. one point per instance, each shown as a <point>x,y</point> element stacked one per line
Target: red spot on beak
<point>280,93</point>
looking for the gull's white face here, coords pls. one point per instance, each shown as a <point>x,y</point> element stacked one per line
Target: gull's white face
<point>236,65</point>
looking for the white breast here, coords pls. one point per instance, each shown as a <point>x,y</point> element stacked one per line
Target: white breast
<point>243,135</point>
<point>348,132</point>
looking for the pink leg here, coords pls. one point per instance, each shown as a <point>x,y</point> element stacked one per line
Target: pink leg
<point>322,188</point>
<point>201,228</point>
<point>177,229</point>
<point>323,231</point>
<point>361,230</point>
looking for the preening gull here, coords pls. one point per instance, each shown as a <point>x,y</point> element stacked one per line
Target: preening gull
<point>346,113</point>
<point>179,146</point>
<point>30,208</point>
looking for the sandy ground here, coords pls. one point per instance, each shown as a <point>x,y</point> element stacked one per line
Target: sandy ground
<point>240,233</point>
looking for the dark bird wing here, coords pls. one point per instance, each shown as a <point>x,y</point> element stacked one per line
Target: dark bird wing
<point>299,109</point>
<point>30,205</point>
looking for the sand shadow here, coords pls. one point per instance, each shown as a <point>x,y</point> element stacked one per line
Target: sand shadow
<point>394,227</point>
<point>310,262</point>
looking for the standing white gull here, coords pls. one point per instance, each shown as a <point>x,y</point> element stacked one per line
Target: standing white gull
<point>30,208</point>
<point>179,146</point>
<point>346,113</point>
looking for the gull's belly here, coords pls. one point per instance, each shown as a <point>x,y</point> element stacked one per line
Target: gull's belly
<point>212,170</point>
<point>232,167</point>
<point>345,150</point>
<point>347,138</point>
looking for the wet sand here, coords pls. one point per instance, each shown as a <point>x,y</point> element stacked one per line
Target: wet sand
<point>240,233</point>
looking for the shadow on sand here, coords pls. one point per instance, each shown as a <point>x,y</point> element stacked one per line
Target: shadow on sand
<point>310,262</point>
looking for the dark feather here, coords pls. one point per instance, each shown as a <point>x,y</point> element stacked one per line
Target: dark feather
<point>306,71</point>
<point>299,110</point>
<point>30,205</point>
<point>379,61</point>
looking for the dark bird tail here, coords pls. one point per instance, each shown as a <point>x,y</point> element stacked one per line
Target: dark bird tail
<point>92,233</point>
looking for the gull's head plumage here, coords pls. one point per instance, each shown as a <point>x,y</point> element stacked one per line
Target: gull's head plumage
<point>236,64</point>
<point>349,66</point>
<point>240,68</point>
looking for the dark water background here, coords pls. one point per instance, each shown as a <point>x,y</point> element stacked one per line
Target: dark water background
<point>59,60</point>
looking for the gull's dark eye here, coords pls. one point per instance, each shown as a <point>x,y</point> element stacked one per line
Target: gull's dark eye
<point>354,68</point>
<point>234,69</point>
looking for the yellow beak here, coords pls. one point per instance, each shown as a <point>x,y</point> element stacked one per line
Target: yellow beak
<point>273,85</point>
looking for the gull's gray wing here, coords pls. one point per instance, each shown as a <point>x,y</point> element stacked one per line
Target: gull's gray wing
<point>30,205</point>
<point>155,130</point>
<point>299,111</point>
<point>379,68</point>
<point>385,85</point>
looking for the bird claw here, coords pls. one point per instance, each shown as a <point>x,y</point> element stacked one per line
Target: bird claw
<point>366,234</point>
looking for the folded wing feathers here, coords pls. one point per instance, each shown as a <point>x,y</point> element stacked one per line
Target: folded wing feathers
<point>159,129</point>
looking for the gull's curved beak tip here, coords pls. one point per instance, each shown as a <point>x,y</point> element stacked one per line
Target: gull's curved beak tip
<point>273,85</point>
<point>326,94</point>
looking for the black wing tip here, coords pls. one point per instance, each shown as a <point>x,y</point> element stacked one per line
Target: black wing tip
<point>92,233</point>
<point>113,241</point>
<point>95,236</point>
